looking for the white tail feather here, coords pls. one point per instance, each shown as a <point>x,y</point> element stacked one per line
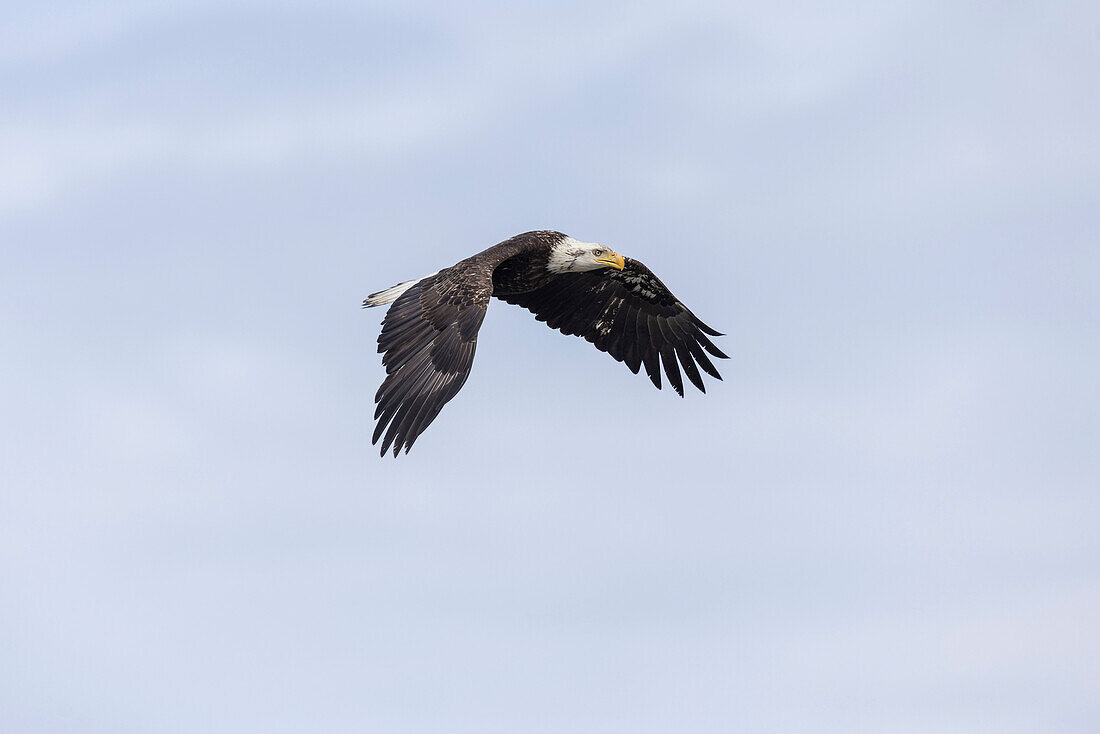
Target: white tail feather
<point>391,294</point>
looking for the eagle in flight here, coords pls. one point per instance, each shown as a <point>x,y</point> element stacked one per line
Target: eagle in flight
<point>430,332</point>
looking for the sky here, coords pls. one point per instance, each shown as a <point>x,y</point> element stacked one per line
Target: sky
<point>884,518</point>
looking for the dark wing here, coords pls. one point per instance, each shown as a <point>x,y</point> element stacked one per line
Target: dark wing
<point>632,316</point>
<point>427,341</point>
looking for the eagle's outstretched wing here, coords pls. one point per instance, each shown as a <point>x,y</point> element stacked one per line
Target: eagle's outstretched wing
<point>428,340</point>
<point>632,316</point>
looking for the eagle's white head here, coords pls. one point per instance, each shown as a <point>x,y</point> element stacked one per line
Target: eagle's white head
<point>572,256</point>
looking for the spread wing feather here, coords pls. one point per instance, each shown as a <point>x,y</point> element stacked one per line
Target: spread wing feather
<point>632,316</point>
<point>428,340</point>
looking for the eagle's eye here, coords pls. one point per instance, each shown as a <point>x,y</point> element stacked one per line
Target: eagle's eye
<point>597,253</point>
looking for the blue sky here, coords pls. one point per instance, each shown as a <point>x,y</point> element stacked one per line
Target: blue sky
<point>884,519</point>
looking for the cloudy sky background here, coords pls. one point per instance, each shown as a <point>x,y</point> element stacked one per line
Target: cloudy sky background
<point>884,519</point>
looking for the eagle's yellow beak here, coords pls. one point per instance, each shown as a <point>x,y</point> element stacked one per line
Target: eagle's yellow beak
<point>612,260</point>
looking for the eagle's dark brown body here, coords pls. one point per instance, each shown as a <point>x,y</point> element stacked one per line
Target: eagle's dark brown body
<point>429,333</point>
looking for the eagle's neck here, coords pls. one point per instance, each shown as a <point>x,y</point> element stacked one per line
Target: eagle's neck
<point>563,255</point>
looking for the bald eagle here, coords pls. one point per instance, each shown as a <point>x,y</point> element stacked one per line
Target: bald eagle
<point>430,332</point>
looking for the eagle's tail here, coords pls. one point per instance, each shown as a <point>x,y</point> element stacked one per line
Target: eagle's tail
<point>391,294</point>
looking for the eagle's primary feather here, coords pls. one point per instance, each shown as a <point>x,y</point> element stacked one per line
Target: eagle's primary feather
<point>429,334</point>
